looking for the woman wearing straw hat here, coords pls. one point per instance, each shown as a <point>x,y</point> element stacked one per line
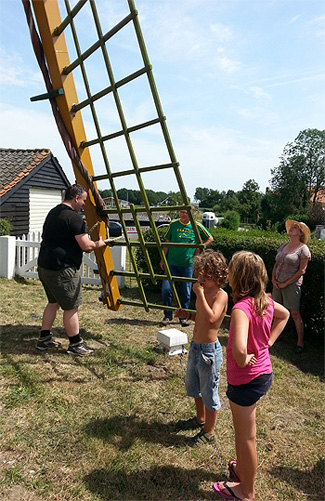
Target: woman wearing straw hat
<point>290,265</point>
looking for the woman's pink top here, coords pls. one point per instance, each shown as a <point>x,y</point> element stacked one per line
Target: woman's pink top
<point>257,343</point>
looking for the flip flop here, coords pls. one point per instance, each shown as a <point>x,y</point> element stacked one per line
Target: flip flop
<point>223,494</point>
<point>232,472</point>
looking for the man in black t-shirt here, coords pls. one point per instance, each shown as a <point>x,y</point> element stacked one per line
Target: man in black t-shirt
<point>64,239</point>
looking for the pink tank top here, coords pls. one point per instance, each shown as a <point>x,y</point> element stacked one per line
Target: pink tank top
<point>257,343</point>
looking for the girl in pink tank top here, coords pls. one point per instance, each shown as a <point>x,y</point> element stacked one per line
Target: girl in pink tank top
<point>249,368</point>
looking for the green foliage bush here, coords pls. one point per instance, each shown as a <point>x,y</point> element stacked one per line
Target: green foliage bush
<point>230,220</point>
<point>5,227</point>
<point>266,243</point>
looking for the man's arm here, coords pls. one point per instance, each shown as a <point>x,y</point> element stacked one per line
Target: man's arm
<point>209,241</point>
<point>88,245</point>
<point>206,236</point>
<point>206,243</point>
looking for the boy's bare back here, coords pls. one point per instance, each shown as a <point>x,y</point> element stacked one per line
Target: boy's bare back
<point>211,306</point>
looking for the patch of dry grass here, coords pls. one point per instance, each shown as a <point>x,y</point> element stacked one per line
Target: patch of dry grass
<point>101,428</point>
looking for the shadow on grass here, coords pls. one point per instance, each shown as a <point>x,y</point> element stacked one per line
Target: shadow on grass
<point>311,360</point>
<point>156,483</point>
<point>310,482</point>
<point>21,339</point>
<point>24,281</point>
<point>132,321</point>
<point>125,430</point>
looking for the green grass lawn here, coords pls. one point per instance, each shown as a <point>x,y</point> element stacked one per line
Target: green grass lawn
<point>102,428</point>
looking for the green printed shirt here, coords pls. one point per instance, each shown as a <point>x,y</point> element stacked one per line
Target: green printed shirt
<point>183,233</point>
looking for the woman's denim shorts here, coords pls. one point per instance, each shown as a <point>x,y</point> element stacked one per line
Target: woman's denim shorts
<point>248,394</point>
<point>203,373</point>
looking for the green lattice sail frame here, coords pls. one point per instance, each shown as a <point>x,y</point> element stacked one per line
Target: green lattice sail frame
<point>53,30</point>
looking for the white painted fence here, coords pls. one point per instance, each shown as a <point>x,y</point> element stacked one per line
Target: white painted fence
<point>26,250</point>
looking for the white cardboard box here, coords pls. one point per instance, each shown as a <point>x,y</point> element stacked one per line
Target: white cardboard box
<point>172,340</point>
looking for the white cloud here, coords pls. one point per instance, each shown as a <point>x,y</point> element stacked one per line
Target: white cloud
<point>259,93</point>
<point>291,79</point>
<point>258,114</point>
<point>228,65</point>
<point>14,72</point>
<point>218,155</point>
<point>317,27</point>
<point>282,79</point>
<point>29,129</point>
<point>221,33</point>
<point>294,19</point>
<point>180,36</point>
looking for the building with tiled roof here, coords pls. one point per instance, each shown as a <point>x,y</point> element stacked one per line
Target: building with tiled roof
<point>31,183</point>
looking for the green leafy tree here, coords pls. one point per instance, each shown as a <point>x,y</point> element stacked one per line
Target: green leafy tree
<point>105,193</point>
<point>230,201</point>
<point>301,174</point>
<point>152,197</point>
<point>250,201</point>
<point>270,209</point>
<point>132,196</point>
<point>175,198</point>
<point>213,198</point>
<point>200,194</point>
<point>161,196</point>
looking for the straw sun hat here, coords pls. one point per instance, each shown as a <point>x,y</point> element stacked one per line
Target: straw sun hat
<point>304,228</point>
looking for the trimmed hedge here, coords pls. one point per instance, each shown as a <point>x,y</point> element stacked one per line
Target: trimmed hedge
<point>264,243</point>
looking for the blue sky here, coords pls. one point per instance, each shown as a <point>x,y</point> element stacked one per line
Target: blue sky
<point>237,80</point>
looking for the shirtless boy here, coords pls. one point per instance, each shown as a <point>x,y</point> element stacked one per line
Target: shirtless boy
<point>205,355</point>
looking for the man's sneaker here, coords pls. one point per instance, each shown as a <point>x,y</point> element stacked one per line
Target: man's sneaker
<point>184,322</point>
<point>166,321</point>
<point>45,343</point>
<point>79,349</point>
<point>201,438</point>
<point>189,424</point>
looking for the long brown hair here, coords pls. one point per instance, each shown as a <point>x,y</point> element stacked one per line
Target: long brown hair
<point>248,278</point>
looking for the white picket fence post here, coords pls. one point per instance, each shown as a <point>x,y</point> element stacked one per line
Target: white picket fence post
<point>27,250</point>
<point>7,256</point>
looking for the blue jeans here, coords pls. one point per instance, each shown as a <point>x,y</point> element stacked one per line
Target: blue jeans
<point>203,373</point>
<point>185,288</point>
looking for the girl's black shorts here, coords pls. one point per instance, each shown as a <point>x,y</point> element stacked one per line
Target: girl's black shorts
<point>248,394</point>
